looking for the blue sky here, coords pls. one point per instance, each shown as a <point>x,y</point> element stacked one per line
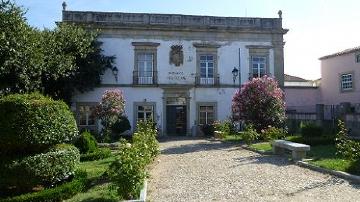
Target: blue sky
<point>317,27</point>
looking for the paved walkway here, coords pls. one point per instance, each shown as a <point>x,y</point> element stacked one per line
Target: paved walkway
<point>202,170</point>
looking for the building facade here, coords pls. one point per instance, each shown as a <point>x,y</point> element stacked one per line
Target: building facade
<point>178,69</point>
<point>340,73</point>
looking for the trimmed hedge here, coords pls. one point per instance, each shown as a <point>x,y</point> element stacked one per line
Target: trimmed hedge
<point>310,130</point>
<point>98,154</point>
<point>57,164</point>
<point>86,143</point>
<point>33,122</point>
<point>59,193</point>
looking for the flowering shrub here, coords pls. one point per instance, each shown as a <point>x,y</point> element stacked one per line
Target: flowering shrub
<point>345,147</point>
<point>249,135</point>
<point>128,172</point>
<point>272,133</point>
<point>261,103</point>
<point>109,110</point>
<point>145,139</point>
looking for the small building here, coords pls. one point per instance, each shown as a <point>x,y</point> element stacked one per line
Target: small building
<point>339,72</point>
<point>301,95</point>
<point>180,70</point>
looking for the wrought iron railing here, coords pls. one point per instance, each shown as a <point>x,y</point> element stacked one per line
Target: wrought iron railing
<point>207,81</point>
<point>144,77</point>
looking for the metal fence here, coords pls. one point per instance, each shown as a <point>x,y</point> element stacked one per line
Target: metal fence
<point>326,116</point>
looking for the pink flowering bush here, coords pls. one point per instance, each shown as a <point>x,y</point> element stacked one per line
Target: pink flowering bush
<point>260,102</point>
<point>110,109</point>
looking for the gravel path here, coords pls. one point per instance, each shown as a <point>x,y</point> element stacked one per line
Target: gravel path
<point>203,170</point>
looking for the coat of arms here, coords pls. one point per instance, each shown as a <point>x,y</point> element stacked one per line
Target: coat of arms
<point>176,55</point>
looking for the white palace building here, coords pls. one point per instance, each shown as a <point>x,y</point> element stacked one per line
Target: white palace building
<point>179,70</point>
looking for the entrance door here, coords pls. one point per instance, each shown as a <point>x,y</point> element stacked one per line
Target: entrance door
<point>176,119</point>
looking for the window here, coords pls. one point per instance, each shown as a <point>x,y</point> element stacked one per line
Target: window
<point>145,63</point>
<point>346,82</point>
<point>206,112</point>
<point>86,117</point>
<point>206,64</point>
<point>258,66</point>
<point>145,112</point>
<point>206,69</point>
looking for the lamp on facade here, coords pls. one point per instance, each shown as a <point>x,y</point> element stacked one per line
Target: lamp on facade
<point>115,72</point>
<point>235,73</point>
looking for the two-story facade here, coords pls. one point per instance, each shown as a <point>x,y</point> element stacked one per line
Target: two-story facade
<point>178,69</point>
<point>340,72</point>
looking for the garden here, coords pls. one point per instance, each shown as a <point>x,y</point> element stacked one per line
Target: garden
<point>40,142</point>
<point>260,106</point>
<point>43,155</point>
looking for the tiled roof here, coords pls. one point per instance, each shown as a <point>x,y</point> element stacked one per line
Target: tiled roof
<point>349,50</point>
<point>293,78</point>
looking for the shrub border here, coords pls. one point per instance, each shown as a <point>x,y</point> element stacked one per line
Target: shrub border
<point>59,193</point>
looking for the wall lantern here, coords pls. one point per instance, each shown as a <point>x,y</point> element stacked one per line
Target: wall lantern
<point>115,72</point>
<point>235,73</point>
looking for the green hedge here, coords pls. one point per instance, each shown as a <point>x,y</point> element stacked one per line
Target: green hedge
<point>33,122</point>
<point>313,141</point>
<point>310,130</point>
<point>59,193</point>
<point>86,143</point>
<point>57,164</point>
<point>98,154</point>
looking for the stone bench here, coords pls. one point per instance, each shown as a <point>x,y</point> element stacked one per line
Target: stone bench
<point>298,150</point>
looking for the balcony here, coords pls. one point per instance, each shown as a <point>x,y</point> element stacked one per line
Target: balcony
<point>207,81</point>
<point>144,78</point>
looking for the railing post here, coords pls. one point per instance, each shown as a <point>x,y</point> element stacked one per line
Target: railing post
<point>319,114</point>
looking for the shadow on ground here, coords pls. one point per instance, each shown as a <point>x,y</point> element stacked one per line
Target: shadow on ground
<point>262,159</point>
<point>315,185</point>
<point>197,147</point>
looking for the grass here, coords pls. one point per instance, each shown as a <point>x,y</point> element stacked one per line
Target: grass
<point>325,156</point>
<point>99,188</point>
<point>262,146</point>
<point>233,138</point>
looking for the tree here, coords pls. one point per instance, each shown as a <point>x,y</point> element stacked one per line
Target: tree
<point>74,61</point>
<point>56,62</point>
<point>109,110</point>
<point>21,53</point>
<point>260,102</point>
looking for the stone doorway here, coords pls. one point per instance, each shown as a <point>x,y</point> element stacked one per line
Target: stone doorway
<point>176,112</point>
<point>176,120</point>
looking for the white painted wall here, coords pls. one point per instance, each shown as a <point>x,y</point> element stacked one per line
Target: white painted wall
<point>228,58</point>
<point>131,95</point>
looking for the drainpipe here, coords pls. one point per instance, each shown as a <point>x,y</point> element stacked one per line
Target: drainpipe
<point>239,67</point>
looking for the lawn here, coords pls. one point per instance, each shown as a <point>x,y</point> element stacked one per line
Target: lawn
<point>98,189</point>
<point>262,146</point>
<point>325,156</point>
<point>233,138</point>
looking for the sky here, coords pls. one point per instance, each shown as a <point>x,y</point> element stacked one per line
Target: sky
<point>316,27</point>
